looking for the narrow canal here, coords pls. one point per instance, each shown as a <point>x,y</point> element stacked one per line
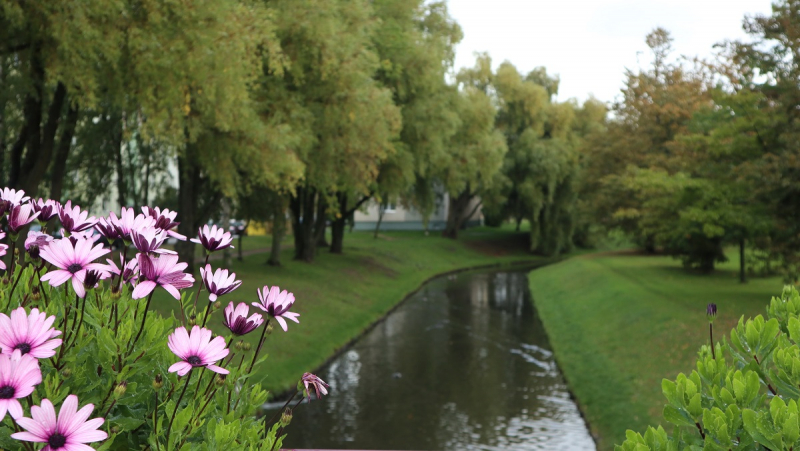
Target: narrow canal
<point>462,365</point>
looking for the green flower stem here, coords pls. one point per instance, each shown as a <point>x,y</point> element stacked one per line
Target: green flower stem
<point>279,412</point>
<point>144,318</point>
<point>711,337</point>
<point>80,323</point>
<point>14,287</point>
<point>177,404</point>
<point>260,343</point>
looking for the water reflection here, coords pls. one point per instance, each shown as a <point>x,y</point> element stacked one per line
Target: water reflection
<point>463,365</point>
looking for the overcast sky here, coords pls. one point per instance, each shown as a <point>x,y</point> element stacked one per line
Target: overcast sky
<point>589,43</point>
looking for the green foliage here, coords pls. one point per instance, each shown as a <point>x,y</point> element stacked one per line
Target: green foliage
<point>747,403</point>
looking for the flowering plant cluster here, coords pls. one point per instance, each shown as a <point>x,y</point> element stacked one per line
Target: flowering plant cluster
<point>744,394</point>
<point>83,361</point>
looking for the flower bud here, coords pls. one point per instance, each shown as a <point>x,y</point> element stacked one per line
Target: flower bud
<point>35,294</point>
<point>66,373</point>
<point>247,346</point>
<point>158,381</point>
<point>120,389</point>
<point>269,328</point>
<point>711,312</point>
<point>33,251</point>
<point>114,429</point>
<point>286,417</point>
<point>239,345</point>
<point>217,305</point>
<point>5,280</point>
<point>16,251</point>
<point>192,321</point>
<point>220,380</point>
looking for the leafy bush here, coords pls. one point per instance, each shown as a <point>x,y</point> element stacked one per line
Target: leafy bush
<point>78,334</point>
<point>744,393</point>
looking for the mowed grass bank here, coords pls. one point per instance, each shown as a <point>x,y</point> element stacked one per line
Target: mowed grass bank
<point>619,324</point>
<point>339,296</point>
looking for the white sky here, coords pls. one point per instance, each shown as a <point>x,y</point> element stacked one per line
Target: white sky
<point>589,43</point>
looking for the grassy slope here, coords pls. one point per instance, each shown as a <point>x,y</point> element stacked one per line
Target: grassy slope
<point>338,296</point>
<point>621,323</point>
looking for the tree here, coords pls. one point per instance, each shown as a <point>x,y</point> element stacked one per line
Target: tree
<point>656,107</point>
<point>474,157</point>
<point>351,119</point>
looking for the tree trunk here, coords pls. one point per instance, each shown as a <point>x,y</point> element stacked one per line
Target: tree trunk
<point>278,231</point>
<point>381,212</point>
<point>338,225</point>
<point>303,209</point>
<point>320,224</point>
<point>742,277</point>
<point>241,231</point>
<point>226,222</point>
<point>456,213</point>
<point>122,189</point>
<point>59,167</point>
<point>188,180</point>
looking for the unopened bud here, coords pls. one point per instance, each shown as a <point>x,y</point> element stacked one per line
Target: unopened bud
<point>120,389</point>
<point>35,294</point>
<point>192,321</point>
<point>158,382</point>
<point>247,346</point>
<point>217,305</point>
<point>711,312</point>
<point>5,280</point>
<point>269,328</point>
<point>33,251</point>
<point>16,251</point>
<point>115,429</point>
<point>286,417</point>
<point>239,345</point>
<point>220,380</point>
<point>66,373</point>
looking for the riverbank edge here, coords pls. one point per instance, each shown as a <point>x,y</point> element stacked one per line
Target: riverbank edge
<point>283,395</point>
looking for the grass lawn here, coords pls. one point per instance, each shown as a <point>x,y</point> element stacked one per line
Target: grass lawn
<point>619,324</point>
<point>339,296</point>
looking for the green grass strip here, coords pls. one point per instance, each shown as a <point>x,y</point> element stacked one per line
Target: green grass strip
<point>619,324</point>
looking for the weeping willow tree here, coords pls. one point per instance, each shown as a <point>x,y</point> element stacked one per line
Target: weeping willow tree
<point>541,167</point>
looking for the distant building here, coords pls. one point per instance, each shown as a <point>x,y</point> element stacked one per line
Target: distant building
<point>396,217</point>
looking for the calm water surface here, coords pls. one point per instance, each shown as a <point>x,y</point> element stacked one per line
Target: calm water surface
<point>462,365</point>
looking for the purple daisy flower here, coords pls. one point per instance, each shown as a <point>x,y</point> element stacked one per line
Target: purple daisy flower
<point>150,239</point>
<point>128,222</point>
<point>196,350</point>
<point>35,242</point>
<point>20,216</point>
<point>73,260</point>
<point>237,321</point>
<point>107,229</point>
<point>3,249</point>
<point>165,220</point>
<point>29,334</point>
<point>73,219</point>
<point>218,283</point>
<point>68,432</point>
<point>19,374</point>
<point>213,239</point>
<point>313,382</point>
<point>164,271</point>
<point>10,198</point>
<point>46,209</point>
<point>129,270</point>
<point>277,304</point>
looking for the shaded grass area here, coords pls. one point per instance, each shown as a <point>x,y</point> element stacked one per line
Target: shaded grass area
<point>619,324</point>
<point>339,296</point>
